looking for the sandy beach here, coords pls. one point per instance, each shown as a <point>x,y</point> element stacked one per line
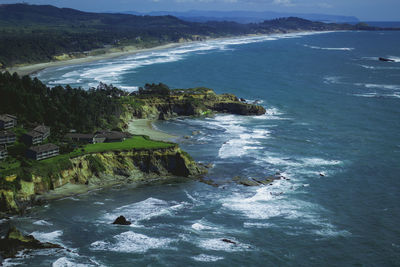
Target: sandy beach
<point>31,69</point>
<point>108,54</point>
<point>145,127</point>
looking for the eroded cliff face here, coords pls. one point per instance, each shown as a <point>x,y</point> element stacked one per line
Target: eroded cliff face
<point>102,169</point>
<point>190,102</point>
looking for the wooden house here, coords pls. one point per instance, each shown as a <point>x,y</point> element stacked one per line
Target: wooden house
<point>7,137</point>
<point>7,121</point>
<point>43,151</point>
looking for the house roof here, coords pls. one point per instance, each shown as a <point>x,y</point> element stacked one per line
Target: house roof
<point>11,116</point>
<point>110,135</point>
<point>78,135</point>
<point>34,133</point>
<point>42,129</point>
<point>4,117</point>
<point>6,133</point>
<point>43,148</point>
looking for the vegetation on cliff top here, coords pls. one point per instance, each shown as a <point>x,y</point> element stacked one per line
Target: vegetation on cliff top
<point>61,108</point>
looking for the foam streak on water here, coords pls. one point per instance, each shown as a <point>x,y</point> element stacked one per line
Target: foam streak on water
<point>110,71</point>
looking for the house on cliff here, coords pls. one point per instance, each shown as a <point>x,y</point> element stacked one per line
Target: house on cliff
<point>3,152</point>
<point>111,136</point>
<point>37,135</point>
<point>7,121</point>
<point>80,138</point>
<point>43,151</point>
<point>98,137</point>
<point>7,137</point>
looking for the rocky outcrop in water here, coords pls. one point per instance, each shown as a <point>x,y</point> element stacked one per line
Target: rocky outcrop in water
<point>121,220</point>
<point>15,241</point>
<point>258,181</point>
<point>189,102</point>
<point>386,59</point>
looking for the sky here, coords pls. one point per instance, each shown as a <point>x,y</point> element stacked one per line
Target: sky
<point>366,10</point>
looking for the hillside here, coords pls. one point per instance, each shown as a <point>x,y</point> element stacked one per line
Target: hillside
<point>35,33</point>
<point>245,16</point>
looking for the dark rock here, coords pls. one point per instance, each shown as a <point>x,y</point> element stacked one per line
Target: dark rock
<point>195,132</point>
<point>209,165</point>
<point>386,59</point>
<point>121,220</point>
<point>15,241</point>
<point>239,108</point>
<point>229,241</point>
<point>257,181</point>
<point>242,99</point>
<point>209,182</point>
<point>322,174</point>
<point>248,182</point>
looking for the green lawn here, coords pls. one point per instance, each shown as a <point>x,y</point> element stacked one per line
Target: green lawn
<point>136,142</point>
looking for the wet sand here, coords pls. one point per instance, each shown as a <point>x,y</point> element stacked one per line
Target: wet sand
<point>145,127</point>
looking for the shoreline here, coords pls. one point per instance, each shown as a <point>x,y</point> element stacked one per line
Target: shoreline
<point>37,67</point>
<point>145,127</point>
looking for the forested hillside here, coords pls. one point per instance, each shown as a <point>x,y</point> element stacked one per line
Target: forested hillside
<point>60,108</point>
<point>33,33</point>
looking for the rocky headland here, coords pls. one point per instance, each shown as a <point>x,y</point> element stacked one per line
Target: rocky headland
<point>74,174</point>
<point>160,105</point>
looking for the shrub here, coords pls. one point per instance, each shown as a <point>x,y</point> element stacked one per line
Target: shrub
<point>95,164</point>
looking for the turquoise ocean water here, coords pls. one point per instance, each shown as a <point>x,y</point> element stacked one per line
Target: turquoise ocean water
<point>332,108</point>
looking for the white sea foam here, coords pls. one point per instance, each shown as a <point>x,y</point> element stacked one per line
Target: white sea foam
<point>257,225</point>
<point>131,242</point>
<point>330,48</point>
<point>367,67</point>
<point>219,245</point>
<point>110,71</point>
<point>207,258</point>
<point>52,237</point>
<point>396,59</point>
<point>145,210</point>
<point>378,67</point>
<point>241,137</point>
<point>66,262</point>
<point>265,206</point>
<point>280,160</point>
<point>331,79</point>
<point>379,86</point>
<point>271,113</point>
<point>200,227</point>
<point>42,222</point>
<point>377,95</point>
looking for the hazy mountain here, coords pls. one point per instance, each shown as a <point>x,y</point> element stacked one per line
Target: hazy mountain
<point>244,16</point>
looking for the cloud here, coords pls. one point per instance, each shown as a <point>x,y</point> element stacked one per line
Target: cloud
<point>207,1</point>
<point>283,2</point>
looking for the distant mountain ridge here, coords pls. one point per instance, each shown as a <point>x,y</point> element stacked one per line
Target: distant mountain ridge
<point>245,16</point>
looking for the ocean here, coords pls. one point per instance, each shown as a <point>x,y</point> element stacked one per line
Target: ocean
<point>332,128</point>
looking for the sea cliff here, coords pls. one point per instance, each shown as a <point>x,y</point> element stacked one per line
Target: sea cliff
<point>99,170</point>
<point>186,102</point>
